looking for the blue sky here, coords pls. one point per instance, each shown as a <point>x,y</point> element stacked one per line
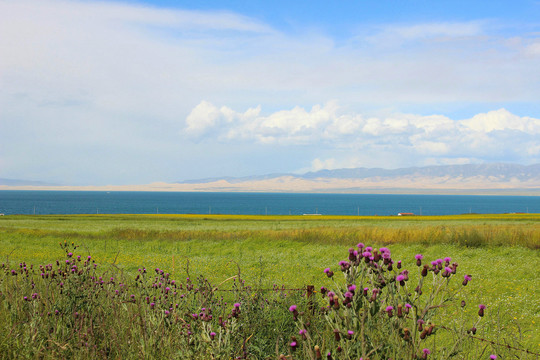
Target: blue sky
<point>135,92</point>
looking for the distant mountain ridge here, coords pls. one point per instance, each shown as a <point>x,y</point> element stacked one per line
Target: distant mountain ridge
<point>486,179</point>
<point>493,172</point>
<point>18,182</point>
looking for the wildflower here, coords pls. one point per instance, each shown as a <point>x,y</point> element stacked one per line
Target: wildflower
<point>352,288</point>
<point>167,312</point>
<point>323,290</point>
<point>152,305</point>
<point>336,302</point>
<point>350,333</point>
<point>425,270</point>
<point>399,311</point>
<point>70,254</point>
<point>399,264</point>
<point>303,333</point>
<point>318,355</point>
<point>328,272</point>
<point>329,356</point>
<point>344,265</point>
<point>292,309</point>
<point>426,353</point>
<point>463,303</point>
<point>420,323</point>
<point>419,258</point>
<point>360,245</point>
<point>389,310</point>
<point>466,279</point>
<point>481,307</point>
<point>212,335</point>
<point>493,357</point>
<point>407,308</point>
<point>447,271</point>
<point>336,335</point>
<point>374,295</point>
<point>406,334</point>
<point>293,345</point>
<point>366,291</point>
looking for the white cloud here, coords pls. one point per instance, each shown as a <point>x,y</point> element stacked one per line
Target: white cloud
<point>497,134</point>
<point>439,30</point>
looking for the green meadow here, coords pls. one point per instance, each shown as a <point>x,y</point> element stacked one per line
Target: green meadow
<point>500,252</point>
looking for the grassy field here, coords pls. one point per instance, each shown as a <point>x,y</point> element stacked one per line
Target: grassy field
<point>501,252</point>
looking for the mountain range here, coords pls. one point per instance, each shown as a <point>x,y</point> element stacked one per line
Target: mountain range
<point>497,178</point>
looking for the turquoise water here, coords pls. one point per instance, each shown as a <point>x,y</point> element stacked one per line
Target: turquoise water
<point>90,202</point>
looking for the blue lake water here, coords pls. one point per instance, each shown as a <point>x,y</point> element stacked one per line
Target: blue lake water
<point>92,202</point>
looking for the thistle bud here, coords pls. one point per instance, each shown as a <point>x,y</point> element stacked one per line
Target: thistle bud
<point>318,355</point>
<point>481,309</point>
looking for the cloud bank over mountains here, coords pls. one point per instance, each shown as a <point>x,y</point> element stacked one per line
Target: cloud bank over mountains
<point>434,139</point>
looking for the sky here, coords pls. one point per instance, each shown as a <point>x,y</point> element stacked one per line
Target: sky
<point>135,92</point>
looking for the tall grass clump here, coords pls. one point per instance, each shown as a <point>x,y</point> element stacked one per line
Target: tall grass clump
<point>378,312</point>
<point>78,309</point>
<point>74,309</point>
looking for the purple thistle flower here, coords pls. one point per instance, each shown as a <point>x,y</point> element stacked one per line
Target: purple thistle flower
<point>360,245</point>
<point>293,345</point>
<point>481,309</point>
<point>302,332</point>
<point>236,305</point>
<point>419,256</point>
<point>292,308</point>
<point>352,288</point>
<point>350,332</point>
<point>327,270</point>
<point>493,357</point>
<point>426,353</point>
<point>369,248</point>
<point>447,259</point>
<point>400,278</point>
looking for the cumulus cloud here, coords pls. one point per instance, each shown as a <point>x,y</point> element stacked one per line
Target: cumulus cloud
<point>493,135</point>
